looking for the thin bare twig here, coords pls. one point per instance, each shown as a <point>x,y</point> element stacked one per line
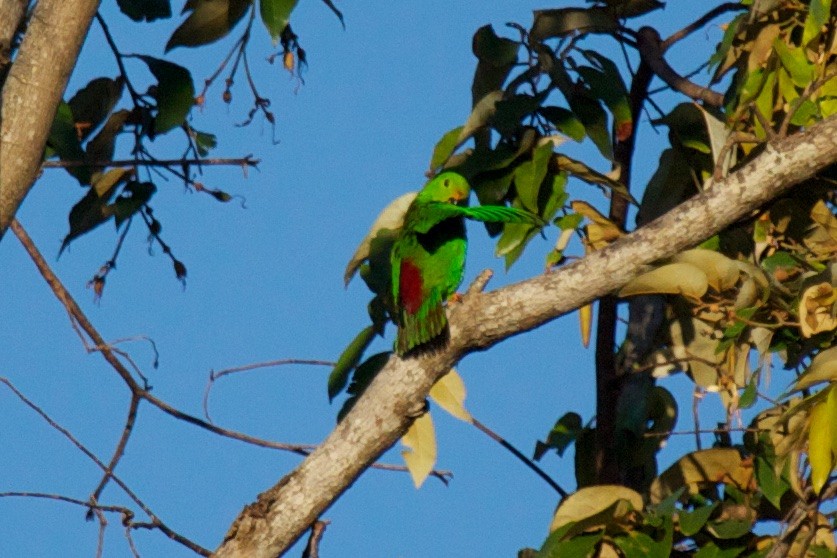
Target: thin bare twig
<point>213,375</point>
<point>246,161</point>
<point>700,22</point>
<point>155,521</point>
<point>518,454</point>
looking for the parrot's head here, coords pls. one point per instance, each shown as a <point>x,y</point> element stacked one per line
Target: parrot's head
<point>448,187</point>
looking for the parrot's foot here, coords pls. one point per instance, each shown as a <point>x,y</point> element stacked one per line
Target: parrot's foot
<point>455,298</point>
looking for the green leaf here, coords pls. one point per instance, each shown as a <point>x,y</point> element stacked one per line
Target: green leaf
<point>564,433</point>
<point>275,16</point>
<point>175,93</point>
<point>692,522</point>
<point>577,547</point>
<point>349,358</point>
<point>564,121</point>
<point>590,112</point>
<point>529,176</point>
<point>818,12</point>
<point>795,62</point>
<point>636,544</point>
<point>204,142</point>
<point>63,138</point>
<point>145,10</point>
<point>209,21</point>
<point>750,393</point>
<point>93,103</point>
<point>133,197</point>
<point>712,550</point>
<point>772,485</point>
<point>445,147</point>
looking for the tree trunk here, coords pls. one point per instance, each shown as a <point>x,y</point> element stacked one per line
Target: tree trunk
<point>32,90</point>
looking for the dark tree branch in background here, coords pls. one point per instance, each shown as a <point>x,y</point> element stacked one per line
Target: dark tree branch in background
<point>651,51</point>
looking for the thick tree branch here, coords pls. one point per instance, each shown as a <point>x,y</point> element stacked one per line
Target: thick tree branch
<point>269,526</point>
<point>32,91</point>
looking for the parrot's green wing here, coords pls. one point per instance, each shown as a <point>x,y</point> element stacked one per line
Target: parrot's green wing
<point>429,214</point>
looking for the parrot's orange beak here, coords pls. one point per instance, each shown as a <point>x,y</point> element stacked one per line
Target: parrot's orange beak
<point>458,196</point>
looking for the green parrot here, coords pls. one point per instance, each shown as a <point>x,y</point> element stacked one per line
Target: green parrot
<point>428,256</point>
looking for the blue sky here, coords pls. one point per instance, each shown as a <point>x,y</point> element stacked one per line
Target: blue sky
<point>265,282</point>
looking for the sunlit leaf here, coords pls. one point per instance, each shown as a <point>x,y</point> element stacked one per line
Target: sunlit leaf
<point>420,439</point>
<point>818,13</point>
<point>675,278</point>
<point>449,393</point>
<point>703,469</point>
<point>820,439</point>
<point>589,502</point>
<point>823,368</point>
<point>392,218</point>
<point>445,147</point>
<point>585,322</point>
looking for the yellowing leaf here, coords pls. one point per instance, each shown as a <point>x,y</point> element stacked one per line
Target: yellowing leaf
<point>391,217</point>
<point>421,440</point>
<point>585,321</point>
<point>817,309</point>
<point>675,278</point>
<point>823,369</point>
<point>703,469</point>
<point>592,500</point>
<point>449,393</point>
<point>820,454</point>
<point>601,231</point>
<point>721,271</point>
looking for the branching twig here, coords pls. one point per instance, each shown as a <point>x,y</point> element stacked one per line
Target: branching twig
<point>155,521</point>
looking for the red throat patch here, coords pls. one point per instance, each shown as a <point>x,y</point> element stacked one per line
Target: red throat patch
<point>410,287</point>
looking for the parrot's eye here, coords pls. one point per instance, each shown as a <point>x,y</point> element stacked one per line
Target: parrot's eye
<point>447,183</point>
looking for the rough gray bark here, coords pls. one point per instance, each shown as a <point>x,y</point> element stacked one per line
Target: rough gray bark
<point>32,91</point>
<point>269,526</point>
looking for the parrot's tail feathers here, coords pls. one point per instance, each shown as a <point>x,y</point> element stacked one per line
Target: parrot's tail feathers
<point>418,329</point>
